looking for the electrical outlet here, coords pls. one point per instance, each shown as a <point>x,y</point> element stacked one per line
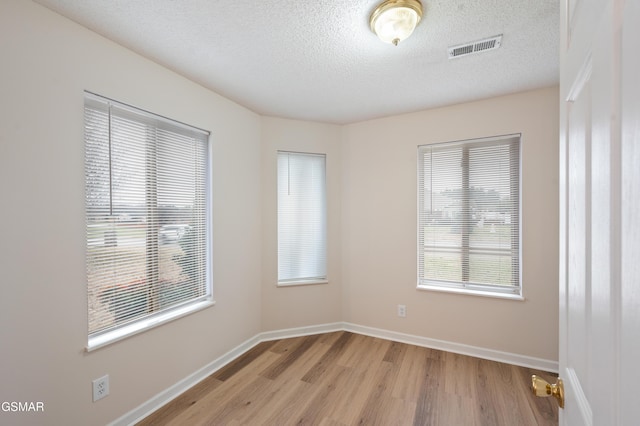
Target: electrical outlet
<point>402,311</point>
<point>100,387</point>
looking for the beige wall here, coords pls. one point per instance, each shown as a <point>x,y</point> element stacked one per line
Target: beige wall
<point>379,226</point>
<point>297,306</point>
<point>46,63</point>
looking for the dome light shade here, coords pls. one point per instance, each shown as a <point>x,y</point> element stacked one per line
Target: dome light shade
<point>395,20</point>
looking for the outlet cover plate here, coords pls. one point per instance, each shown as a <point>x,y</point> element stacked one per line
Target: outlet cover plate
<point>100,387</point>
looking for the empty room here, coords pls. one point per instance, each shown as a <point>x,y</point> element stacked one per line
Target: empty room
<point>326,212</point>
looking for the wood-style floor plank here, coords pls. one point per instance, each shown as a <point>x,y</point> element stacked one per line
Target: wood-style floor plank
<point>377,403</point>
<point>328,359</point>
<point>321,405</point>
<point>207,407</point>
<point>343,378</point>
<point>242,361</point>
<point>427,404</point>
<point>278,367</point>
<point>410,377</point>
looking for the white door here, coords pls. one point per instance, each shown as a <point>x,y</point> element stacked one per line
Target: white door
<point>600,212</point>
<point>630,216</point>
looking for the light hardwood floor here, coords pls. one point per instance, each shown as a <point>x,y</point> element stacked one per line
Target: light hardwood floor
<point>343,378</point>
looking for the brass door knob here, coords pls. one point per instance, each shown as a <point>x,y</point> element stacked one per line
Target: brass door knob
<point>542,388</point>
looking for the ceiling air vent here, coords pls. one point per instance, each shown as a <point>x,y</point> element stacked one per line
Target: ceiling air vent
<point>475,47</point>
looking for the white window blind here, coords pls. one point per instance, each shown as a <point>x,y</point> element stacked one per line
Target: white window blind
<point>146,209</point>
<point>302,218</point>
<point>469,215</point>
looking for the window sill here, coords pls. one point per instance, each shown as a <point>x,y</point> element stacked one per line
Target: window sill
<point>495,295</point>
<point>301,282</point>
<point>104,339</point>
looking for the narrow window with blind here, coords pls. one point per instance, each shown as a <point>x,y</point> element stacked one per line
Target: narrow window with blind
<point>146,199</point>
<point>302,219</point>
<point>469,216</point>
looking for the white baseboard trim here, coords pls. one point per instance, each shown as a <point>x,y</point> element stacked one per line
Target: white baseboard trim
<point>188,382</point>
<point>459,348</point>
<point>300,331</point>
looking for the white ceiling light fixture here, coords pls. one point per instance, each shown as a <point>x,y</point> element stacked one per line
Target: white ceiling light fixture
<point>395,20</point>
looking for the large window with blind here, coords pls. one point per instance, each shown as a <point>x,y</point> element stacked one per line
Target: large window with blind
<point>469,216</point>
<point>146,202</point>
<point>302,219</point>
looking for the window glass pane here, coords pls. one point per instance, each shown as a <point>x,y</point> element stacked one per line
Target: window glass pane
<point>301,217</point>
<point>443,232</point>
<point>490,269</point>
<point>146,183</point>
<point>469,214</point>
<point>443,266</point>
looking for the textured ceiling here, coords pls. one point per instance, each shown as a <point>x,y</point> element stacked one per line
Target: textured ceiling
<point>318,60</point>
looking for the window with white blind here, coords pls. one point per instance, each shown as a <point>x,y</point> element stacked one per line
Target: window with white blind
<point>302,219</point>
<point>469,216</point>
<point>146,202</point>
